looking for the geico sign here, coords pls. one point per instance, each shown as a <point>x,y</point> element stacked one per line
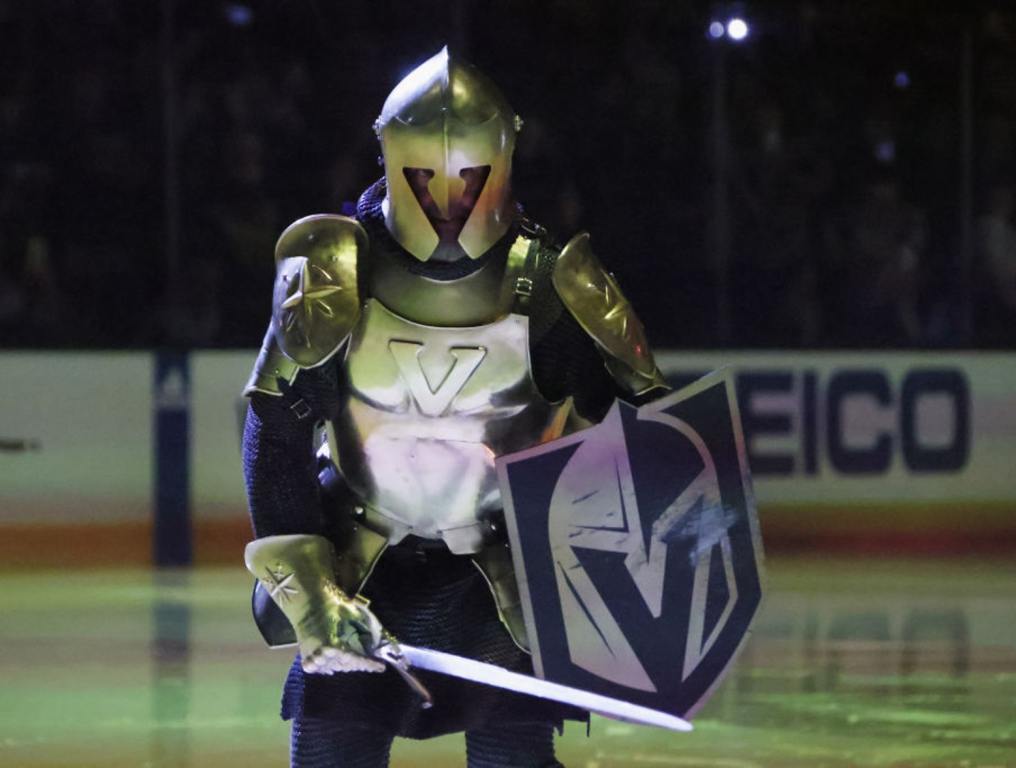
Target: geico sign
<point>815,418</point>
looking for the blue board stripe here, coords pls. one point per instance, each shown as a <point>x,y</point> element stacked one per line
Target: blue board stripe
<point>172,539</point>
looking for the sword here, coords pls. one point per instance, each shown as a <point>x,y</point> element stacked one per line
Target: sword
<point>403,657</point>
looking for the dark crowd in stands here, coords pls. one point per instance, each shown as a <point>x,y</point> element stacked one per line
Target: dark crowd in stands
<point>870,174</point>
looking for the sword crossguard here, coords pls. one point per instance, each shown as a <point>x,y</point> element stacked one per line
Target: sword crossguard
<point>390,653</point>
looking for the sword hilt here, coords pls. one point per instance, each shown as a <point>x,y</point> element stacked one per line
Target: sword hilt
<point>391,654</point>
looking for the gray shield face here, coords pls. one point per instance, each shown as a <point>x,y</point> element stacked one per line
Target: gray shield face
<point>637,551</point>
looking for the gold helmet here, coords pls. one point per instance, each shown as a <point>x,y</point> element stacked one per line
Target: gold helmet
<point>447,136</point>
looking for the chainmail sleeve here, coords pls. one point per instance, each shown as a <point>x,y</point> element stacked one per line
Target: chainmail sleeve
<point>279,464</point>
<point>566,362</point>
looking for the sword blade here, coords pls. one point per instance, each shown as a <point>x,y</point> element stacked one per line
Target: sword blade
<point>490,674</point>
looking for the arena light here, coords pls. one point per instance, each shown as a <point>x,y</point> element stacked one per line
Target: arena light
<point>737,29</point>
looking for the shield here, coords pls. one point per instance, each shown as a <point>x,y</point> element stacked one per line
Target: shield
<point>637,550</point>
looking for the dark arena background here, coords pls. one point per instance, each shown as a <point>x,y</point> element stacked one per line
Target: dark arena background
<point>818,194</point>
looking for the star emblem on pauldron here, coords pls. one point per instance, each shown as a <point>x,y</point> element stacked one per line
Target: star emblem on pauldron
<point>278,586</point>
<point>308,296</point>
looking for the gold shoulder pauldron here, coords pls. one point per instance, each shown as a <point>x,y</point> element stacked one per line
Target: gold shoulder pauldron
<point>594,299</point>
<point>316,299</point>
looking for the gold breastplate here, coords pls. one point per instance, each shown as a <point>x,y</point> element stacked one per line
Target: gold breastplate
<point>427,410</point>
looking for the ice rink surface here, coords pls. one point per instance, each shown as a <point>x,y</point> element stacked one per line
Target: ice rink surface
<point>853,663</point>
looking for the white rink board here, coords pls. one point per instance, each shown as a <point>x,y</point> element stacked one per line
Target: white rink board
<point>91,415</point>
<point>217,412</point>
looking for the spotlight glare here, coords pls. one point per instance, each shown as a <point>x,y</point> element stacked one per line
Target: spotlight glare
<point>737,29</point>
<point>716,30</point>
<point>902,80</point>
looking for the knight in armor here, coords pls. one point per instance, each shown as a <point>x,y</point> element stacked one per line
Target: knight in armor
<point>408,348</point>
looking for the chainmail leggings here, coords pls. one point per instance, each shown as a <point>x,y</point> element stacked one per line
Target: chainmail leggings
<point>327,744</point>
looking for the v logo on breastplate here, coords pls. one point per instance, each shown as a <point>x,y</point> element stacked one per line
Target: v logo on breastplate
<point>434,401</point>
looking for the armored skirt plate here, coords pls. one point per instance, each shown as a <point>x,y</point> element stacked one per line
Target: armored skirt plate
<point>426,411</point>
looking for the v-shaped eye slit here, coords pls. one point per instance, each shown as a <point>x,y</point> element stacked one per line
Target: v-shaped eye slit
<point>448,229</point>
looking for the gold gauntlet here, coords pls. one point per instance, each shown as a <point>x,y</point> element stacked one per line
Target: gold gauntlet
<point>336,633</point>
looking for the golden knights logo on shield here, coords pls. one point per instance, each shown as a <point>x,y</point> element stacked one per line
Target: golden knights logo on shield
<point>637,548</point>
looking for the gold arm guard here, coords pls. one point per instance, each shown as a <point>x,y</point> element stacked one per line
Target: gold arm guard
<point>336,633</point>
<point>594,299</point>
<point>296,570</point>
